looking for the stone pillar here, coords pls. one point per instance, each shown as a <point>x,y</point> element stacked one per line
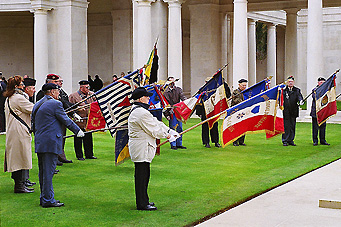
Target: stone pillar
<point>135,34</point>
<point>122,49</point>
<point>314,45</point>
<point>252,52</point>
<point>144,28</point>
<point>230,50</point>
<point>175,39</point>
<point>224,38</point>
<point>159,30</point>
<point>291,43</point>
<point>271,53</point>
<point>240,44</point>
<point>70,51</point>
<point>41,54</point>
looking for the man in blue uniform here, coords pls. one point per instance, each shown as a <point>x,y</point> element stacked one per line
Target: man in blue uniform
<point>49,138</point>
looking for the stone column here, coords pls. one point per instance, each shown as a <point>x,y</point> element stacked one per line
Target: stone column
<point>271,53</point>
<point>314,45</point>
<point>230,49</point>
<point>159,30</point>
<point>252,52</point>
<point>240,44</point>
<point>41,54</point>
<point>291,43</point>
<point>144,29</point>
<point>224,38</point>
<point>175,39</point>
<point>135,34</point>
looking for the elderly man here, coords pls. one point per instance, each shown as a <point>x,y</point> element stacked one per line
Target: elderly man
<point>83,94</point>
<point>238,97</point>
<point>317,130</point>
<point>143,130</point>
<point>292,99</point>
<point>174,94</point>
<point>48,118</point>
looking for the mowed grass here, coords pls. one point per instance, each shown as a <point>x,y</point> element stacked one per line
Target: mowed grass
<point>186,185</point>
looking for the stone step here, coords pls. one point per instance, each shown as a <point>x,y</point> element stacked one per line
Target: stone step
<point>332,204</point>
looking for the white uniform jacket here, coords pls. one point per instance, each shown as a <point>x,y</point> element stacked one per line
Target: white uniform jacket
<point>143,129</point>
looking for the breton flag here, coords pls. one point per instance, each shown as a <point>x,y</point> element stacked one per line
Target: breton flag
<point>214,97</point>
<point>114,100</point>
<point>256,88</point>
<point>183,110</point>
<point>326,100</point>
<point>95,118</point>
<point>256,114</point>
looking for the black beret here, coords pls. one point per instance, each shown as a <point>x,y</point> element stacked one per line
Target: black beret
<point>83,82</point>
<point>140,92</point>
<point>52,77</point>
<point>291,78</point>
<point>29,82</point>
<point>49,86</point>
<point>242,81</point>
<point>321,79</point>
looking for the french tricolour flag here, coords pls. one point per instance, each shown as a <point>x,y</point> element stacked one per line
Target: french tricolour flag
<point>326,100</point>
<point>257,114</point>
<point>183,110</point>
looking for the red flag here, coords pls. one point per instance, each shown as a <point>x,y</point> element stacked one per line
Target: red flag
<point>95,119</point>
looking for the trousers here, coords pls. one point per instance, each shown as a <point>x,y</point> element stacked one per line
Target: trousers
<point>86,141</point>
<point>142,175</point>
<point>319,130</point>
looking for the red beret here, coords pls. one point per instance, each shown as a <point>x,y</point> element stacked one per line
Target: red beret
<point>52,77</point>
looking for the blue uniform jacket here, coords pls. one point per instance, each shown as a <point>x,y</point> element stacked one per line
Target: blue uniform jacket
<point>48,121</point>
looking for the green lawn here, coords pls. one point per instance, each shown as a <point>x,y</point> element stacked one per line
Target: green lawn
<point>186,185</point>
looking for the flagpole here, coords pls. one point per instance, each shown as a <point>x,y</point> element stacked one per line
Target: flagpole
<point>193,127</point>
<point>80,107</point>
<point>96,130</point>
<point>337,96</point>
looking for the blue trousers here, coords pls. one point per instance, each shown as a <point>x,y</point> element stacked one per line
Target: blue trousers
<point>177,126</point>
<point>47,164</point>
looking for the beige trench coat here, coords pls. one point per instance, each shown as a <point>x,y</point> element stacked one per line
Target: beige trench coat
<point>18,138</point>
<point>143,129</point>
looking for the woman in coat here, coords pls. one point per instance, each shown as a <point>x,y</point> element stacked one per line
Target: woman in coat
<point>18,154</point>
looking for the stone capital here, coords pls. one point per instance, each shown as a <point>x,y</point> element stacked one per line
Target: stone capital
<point>41,4</point>
<point>174,2</point>
<point>291,10</point>
<point>144,2</point>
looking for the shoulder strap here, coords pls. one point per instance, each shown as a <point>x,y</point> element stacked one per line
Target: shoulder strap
<point>17,117</point>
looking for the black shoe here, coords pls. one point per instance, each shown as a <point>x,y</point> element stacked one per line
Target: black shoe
<point>242,144</point>
<point>315,144</point>
<point>217,145</point>
<point>235,144</point>
<point>91,157</point>
<point>57,201</point>
<point>28,183</point>
<point>285,144</point>
<point>152,204</point>
<point>174,147</point>
<point>292,144</point>
<point>30,189</point>
<point>325,143</point>
<point>66,161</point>
<point>59,163</point>
<point>148,207</point>
<point>181,147</point>
<point>56,171</point>
<point>53,205</point>
<point>81,159</point>
<point>207,145</point>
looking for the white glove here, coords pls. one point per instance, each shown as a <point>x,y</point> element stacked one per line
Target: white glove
<point>301,102</point>
<point>80,133</point>
<point>172,138</point>
<point>77,117</point>
<point>174,133</point>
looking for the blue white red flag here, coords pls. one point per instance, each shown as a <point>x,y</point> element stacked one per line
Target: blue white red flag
<point>257,114</point>
<point>183,110</point>
<point>214,97</point>
<point>157,100</point>
<point>256,89</point>
<point>325,96</point>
